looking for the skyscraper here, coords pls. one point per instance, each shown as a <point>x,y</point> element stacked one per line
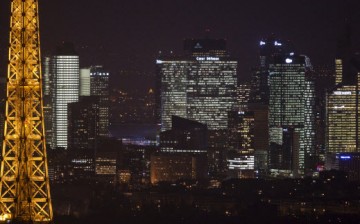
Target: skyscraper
<point>200,86</point>
<point>85,82</point>
<point>269,47</point>
<point>83,129</point>
<point>64,87</point>
<point>342,104</point>
<point>171,91</point>
<point>291,106</point>
<point>99,86</point>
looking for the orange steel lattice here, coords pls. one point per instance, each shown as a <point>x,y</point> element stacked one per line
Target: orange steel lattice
<point>24,185</point>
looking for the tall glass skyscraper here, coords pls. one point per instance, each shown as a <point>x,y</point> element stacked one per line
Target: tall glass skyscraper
<point>342,103</point>
<point>64,88</point>
<point>99,86</point>
<point>291,110</point>
<point>172,77</point>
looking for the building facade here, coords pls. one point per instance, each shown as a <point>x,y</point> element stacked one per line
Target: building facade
<point>200,86</point>
<point>99,86</point>
<point>64,89</point>
<point>291,106</point>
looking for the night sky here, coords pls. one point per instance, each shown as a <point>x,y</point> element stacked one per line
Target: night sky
<point>128,34</point>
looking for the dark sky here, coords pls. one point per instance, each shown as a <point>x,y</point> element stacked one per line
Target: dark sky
<point>127,34</point>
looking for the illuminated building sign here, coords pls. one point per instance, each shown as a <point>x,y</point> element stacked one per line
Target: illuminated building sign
<point>345,157</point>
<point>207,58</point>
<point>342,92</point>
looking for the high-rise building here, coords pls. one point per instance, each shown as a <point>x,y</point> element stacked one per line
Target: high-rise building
<point>241,130</point>
<point>324,80</point>
<point>83,129</point>
<point>47,101</point>
<point>88,119</point>
<point>64,87</point>
<point>291,106</point>
<point>342,120</point>
<point>240,157</point>
<point>85,82</point>
<point>200,86</point>
<point>99,86</point>
<point>269,47</point>
<point>342,102</point>
<point>172,91</point>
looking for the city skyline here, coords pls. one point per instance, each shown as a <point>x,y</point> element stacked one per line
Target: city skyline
<point>128,36</point>
<point>190,139</point>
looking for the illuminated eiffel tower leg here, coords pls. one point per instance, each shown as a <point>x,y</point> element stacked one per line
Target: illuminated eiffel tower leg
<point>24,185</point>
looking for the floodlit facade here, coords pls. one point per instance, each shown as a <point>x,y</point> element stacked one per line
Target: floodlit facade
<point>64,69</point>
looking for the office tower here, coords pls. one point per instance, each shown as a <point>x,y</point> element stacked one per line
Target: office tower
<point>85,82</point>
<point>291,106</point>
<point>200,86</point>
<point>172,90</point>
<point>64,85</point>
<point>83,129</point>
<point>83,124</point>
<point>342,119</point>
<point>324,81</point>
<point>241,130</point>
<point>24,186</point>
<point>342,105</point>
<point>269,47</point>
<point>88,121</point>
<point>240,157</point>
<point>99,86</point>
<point>47,102</point>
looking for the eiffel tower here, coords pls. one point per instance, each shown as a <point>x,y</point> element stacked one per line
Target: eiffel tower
<point>24,183</point>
